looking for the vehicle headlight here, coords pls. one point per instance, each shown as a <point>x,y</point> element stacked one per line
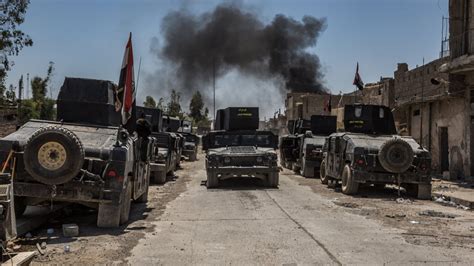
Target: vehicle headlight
<point>227,160</point>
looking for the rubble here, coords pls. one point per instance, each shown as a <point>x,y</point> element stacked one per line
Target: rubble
<point>433,213</point>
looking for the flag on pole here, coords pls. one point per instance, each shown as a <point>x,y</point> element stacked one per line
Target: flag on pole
<point>357,80</point>
<point>125,96</point>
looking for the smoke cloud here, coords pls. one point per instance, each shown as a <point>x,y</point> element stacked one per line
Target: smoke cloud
<point>230,41</point>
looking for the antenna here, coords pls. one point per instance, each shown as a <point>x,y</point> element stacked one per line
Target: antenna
<point>27,85</point>
<point>138,75</point>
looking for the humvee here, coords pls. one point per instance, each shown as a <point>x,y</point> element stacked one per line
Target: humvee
<point>191,142</point>
<point>237,149</point>
<point>84,157</point>
<point>165,146</point>
<point>310,148</point>
<point>371,152</point>
<point>164,156</point>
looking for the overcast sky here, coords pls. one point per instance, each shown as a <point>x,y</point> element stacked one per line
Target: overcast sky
<point>87,38</point>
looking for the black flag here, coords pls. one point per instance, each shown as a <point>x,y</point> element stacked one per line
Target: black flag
<point>357,80</point>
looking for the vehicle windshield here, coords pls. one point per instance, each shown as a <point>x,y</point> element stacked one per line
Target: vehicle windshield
<point>260,140</point>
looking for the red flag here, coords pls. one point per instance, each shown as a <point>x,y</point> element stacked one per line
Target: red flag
<point>126,88</point>
<point>357,80</point>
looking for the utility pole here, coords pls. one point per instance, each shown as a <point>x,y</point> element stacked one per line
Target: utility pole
<point>421,108</point>
<point>20,92</point>
<point>27,85</point>
<point>214,86</point>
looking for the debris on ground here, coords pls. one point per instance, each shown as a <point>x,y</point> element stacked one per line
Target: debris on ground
<point>403,201</point>
<point>433,213</point>
<point>28,235</point>
<point>397,215</point>
<point>70,230</point>
<point>347,204</point>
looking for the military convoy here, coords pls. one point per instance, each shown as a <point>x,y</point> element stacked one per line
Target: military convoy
<point>371,152</point>
<point>237,149</point>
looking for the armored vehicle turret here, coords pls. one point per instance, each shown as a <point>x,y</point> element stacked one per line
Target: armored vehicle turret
<point>371,152</point>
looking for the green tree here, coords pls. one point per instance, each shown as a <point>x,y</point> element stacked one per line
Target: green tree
<point>195,106</point>
<point>161,104</point>
<point>12,40</point>
<point>10,95</point>
<point>39,106</point>
<point>149,102</point>
<point>174,105</point>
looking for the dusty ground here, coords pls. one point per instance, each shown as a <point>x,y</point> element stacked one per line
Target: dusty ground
<point>302,222</point>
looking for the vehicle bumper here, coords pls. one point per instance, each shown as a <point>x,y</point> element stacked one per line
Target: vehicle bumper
<point>76,192</point>
<point>409,177</point>
<point>242,171</point>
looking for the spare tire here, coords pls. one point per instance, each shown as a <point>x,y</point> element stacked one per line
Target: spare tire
<point>396,155</point>
<point>53,155</point>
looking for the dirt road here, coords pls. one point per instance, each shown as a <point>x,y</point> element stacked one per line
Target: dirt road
<point>302,222</point>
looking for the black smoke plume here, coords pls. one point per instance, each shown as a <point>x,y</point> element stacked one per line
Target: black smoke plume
<point>199,47</point>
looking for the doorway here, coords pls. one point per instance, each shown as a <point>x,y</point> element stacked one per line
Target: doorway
<point>443,149</point>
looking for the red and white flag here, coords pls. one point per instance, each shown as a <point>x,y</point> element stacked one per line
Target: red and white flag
<point>126,87</point>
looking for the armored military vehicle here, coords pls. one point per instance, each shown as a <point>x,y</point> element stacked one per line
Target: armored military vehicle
<point>165,145</point>
<point>371,152</point>
<point>287,146</point>
<point>310,144</point>
<point>237,149</point>
<point>191,142</point>
<point>84,157</point>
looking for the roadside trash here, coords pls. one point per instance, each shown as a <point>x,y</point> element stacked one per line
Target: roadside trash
<point>40,250</point>
<point>50,231</point>
<point>397,215</point>
<point>16,247</point>
<point>347,204</point>
<point>403,201</point>
<point>67,248</point>
<point>433,213</point>
<point>28,235</point>
<point>414,222</point>
<point>43,245</point>
<point>70,230</point>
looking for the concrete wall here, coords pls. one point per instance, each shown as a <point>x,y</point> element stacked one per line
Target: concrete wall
<point>313,104</point>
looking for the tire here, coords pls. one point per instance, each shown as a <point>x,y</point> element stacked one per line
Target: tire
<point>53,155</point>
<point>396,155</point>
<point>20,206</point>
<point>126,203</point>
<point>272,180</point>
<point>349,186</point>
<point>212,180</point>
<point>322,173</point>
<point>159,177</point>
<point>108,215</point>
<point>144,197</point>
<point>296,168</point>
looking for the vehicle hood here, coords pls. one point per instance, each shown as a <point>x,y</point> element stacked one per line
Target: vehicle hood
<point>240,150</point>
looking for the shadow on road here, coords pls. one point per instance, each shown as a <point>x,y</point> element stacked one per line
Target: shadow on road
<point>239,183</point>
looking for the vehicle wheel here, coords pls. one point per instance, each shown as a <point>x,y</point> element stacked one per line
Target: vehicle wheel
<point>20,206</point>
<point>349,186</point>
<point>126,203</point>
<point>296,168</point>
<point>159,177</point>
<point>272,180</point>
<point>322,173</point>
<point>144,197</point>
<point>53,155</point>
<point>108,215</point>
<point>212,180</point>
<point>396,155</point>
